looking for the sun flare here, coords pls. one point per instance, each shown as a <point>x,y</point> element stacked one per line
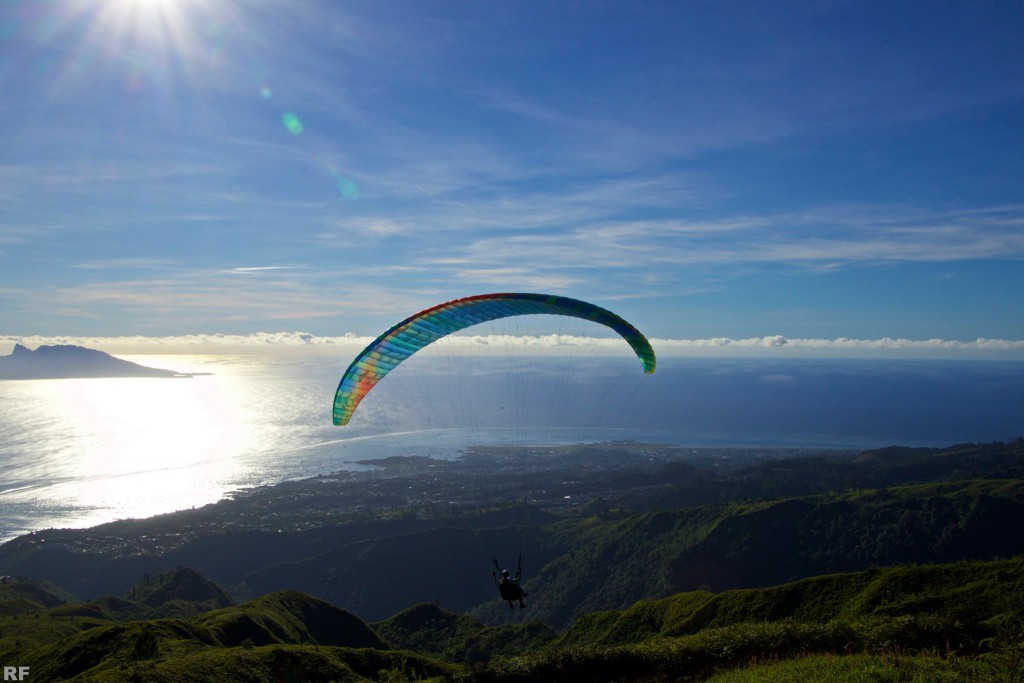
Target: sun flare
<point>179,24</point>
<point>156,41</point>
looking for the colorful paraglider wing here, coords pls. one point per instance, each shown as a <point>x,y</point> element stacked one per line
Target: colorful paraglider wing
<point>425,327</point>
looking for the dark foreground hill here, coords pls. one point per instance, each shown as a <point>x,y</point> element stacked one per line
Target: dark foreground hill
<point>943,622</point>
<point>288,633</point>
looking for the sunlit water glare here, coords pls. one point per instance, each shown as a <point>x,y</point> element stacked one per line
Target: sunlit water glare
<point>86,451</point>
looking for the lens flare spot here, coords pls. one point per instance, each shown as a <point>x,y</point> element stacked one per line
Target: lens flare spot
<point>292,123</point>
<point>266,93</point>
<point>348,189</point>
<point>135,81</point>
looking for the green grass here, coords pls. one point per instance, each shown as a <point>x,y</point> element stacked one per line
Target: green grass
<point>427,629</point>
<point>289,618</point>
<point>971,593</point>
<point>963,611</point>
<point>930,639</point>
<point>281,663</point>
<point>889,668</point>
<point>955,621</point>
<point>184,650</point>
<point>34,594</point>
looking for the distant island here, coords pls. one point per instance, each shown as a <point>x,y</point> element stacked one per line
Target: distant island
<point>72,362</point>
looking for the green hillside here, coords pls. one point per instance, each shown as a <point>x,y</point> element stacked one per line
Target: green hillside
<point>998,667</point>
<point>919,577</point>
<point>963,592</point>
<point>897,646</point>
<point>428,629</point>
<point>579,566</point>
<point>288,632</point>
<point>53,614</point>
<point>179,593</point>
<point>18,595</point>
<point>612,564</point>
<point>377,578</point>
<point>288,618</point>
<point>655,520</point>
<point>960,621</point>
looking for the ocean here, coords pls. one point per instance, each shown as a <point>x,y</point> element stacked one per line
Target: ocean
<point>76,453</point>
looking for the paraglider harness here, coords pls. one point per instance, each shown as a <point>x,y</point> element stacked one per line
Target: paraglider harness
<point>509,588</point>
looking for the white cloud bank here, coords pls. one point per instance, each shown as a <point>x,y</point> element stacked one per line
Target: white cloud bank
<point>767,346</point>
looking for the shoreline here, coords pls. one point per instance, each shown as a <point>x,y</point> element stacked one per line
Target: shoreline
<point>470,465</point>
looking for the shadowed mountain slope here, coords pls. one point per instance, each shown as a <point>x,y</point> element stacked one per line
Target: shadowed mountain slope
<point>586,565</point>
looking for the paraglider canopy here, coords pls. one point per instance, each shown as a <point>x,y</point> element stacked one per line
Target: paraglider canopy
<point>419,330</point>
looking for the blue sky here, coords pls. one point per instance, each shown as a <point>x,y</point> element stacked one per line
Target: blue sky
<point>806,170</point>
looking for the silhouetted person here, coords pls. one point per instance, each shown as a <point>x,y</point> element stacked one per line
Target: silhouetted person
<point>510,589</point>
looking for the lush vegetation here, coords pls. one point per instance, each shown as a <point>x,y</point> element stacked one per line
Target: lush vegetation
<point>284,634</point>
<point>961,621</point>
<point>919,580</point>
<point>891,667</point>
<point>896,650</point>
<point>431,630</point>
<point>304,525</point>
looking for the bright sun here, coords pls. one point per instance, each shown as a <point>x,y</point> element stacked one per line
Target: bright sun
<point>151,42</point>
<point>165,32</point>
<point>148,18</point>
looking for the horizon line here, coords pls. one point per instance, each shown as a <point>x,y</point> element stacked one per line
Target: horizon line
<point>270,342</point>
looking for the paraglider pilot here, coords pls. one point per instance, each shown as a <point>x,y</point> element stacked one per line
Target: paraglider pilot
<point>508,587</point>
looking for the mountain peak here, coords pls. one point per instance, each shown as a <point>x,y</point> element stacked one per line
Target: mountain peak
<point>181,584</point>
<point>66,361</point>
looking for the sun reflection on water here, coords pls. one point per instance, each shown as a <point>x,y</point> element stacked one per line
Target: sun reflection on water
<point>133,447</point>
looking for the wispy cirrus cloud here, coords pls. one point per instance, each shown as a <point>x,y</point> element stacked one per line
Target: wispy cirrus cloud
<point>198,298</point>
<point>818,237</point>
<point>136,262</point>
<point>225,297</point>
<point>663,153</point>
<point>520,277</point>
<point>247,270</point>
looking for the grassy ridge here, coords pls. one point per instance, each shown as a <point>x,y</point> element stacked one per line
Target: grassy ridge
<point>918,617</point>
<point>923,639</point>
<point>288,618</point>
<point>898,620</point>
<point>969,592</point>
<point>579,566</point>
<point>610,564</point>
<point>179,661</point>
<point>17,596</point>
<point>428,629</point>
<point>292,633</point>
<point>887,668</point>
<point>959,620</point>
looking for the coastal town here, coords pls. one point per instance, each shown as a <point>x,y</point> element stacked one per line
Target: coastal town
<point>585,479</point>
